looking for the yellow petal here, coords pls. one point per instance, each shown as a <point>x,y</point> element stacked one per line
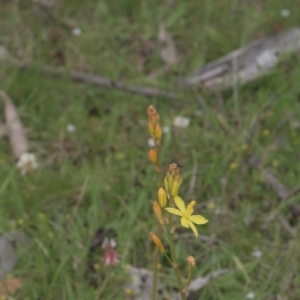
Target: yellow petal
<point>193,228</point>
<point>174,211</point>
<point>184,223</point>
<point>179,203</point>
<point>197,219</point>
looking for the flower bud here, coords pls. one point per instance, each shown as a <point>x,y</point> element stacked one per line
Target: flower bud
<point>170,179</point>
<point>157,242</point>
<point>175,188</point>
<point>151,128</point>
<point>153,156</point>
<point>162,197</point>
<point>166,184</point>
<point>157,211</point>
<point>191,261</point>
<point>158,132</point>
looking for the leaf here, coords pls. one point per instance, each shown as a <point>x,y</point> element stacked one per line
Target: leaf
<point>167,47</point>
<point>16,131</point>
<point>10,286</point>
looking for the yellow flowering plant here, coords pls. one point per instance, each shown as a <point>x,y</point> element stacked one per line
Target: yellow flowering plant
<point>169,203</point>
<point>187,219</point>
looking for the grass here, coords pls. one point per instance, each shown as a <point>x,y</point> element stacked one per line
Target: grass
<point>99,175</point>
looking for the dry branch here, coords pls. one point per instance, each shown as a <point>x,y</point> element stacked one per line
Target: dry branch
<point>270,178</point>
<point>100,81</point>
<point>245,64</point>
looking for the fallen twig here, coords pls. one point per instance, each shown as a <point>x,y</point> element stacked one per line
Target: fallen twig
<point>245,64</point>
<point>92,79</point>
<point>270,178</point>
<point>100,81</point>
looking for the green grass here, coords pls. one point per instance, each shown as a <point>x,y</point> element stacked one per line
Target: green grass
<point>99,175</point>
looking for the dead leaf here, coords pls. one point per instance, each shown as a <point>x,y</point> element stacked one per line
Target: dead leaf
<point>16,131</point>
<point>167,47</point>
<point>10,286</point>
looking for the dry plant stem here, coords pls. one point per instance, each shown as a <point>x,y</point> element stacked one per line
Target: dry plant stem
<point>173,256</point>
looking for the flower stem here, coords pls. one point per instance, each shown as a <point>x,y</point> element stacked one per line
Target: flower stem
<point>173,256</point>
<point>155,266</point>
<point>189,278</point>
<point>159,231</point>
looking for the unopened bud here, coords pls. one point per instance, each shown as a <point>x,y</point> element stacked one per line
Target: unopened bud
<point>175,188</point>
<point>162,197</point>
<point>170,179</point>
<point>153,156</point>
<point>158,132</point>
<point>158,213</point>
<point>151,111</point>
<point>153,115</point>
<point>151,128</point>
<point>157,242</point>
<point>191,261</point>
<point>166,184</point>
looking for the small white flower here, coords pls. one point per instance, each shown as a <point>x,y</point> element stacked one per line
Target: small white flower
<point>250,295</point>
<point>166,129</point>
<point>285,13</point>
<point>71,128</point>
<point>257,253</point>
<point>76,31</point>
<point>181,122</point>
<point>27,163</point>
<point>150,143</point>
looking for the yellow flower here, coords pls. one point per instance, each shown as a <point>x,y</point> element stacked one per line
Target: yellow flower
<point>187,219</point>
